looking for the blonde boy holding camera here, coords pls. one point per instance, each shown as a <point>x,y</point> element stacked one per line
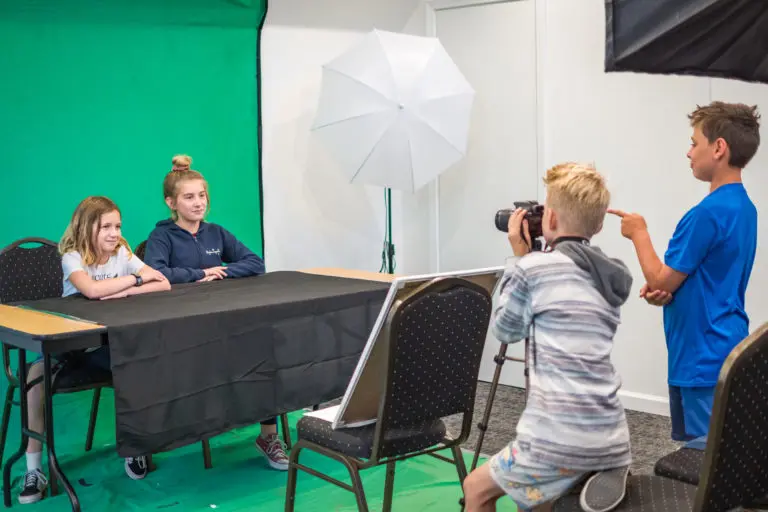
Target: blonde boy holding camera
<point>566,300</point>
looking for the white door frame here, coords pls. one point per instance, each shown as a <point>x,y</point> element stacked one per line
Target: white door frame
<point>431,7</point>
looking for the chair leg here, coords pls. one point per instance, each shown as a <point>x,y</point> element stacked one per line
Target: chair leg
<point>294,466</point>
<point>286,430</point>
<point>207,454</point>
<point>389,484</point>
<point>92,420</point>
<point>461,467</point>
<point>357,486</point>
<point>6,418</point>
<point>290,487</point>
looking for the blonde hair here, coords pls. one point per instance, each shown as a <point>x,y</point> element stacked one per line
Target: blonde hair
<point>181,162</point>
<point>577,192</point>
<point>85,223</point>
<point>174,179</point>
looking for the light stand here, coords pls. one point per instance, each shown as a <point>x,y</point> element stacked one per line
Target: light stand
<point>388,251</point>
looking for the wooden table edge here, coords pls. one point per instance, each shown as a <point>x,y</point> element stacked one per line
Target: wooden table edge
<point>365,275</point>
<point>43,325</point>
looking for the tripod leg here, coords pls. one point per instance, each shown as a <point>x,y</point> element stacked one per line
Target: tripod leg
<point>483,425</point>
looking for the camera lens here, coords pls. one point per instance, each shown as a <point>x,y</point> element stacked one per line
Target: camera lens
<point>502,219</point>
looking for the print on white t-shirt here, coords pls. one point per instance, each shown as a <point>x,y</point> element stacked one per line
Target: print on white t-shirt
<point>118,265</point>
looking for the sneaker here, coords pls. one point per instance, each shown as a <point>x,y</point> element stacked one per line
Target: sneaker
<point>136,467</point>
<point>605,490</point>
<point>273,449</point>
<point>35,484</point>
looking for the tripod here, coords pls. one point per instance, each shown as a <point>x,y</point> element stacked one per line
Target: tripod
<point>483,425</point>
<point>499,360</point>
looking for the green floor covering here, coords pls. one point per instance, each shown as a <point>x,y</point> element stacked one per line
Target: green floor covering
<point>240,480</point>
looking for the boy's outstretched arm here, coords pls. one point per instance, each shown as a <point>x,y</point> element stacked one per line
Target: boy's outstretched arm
<point>657,275</point>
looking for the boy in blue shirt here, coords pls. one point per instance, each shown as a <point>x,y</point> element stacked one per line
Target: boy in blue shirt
<point>707,264</point>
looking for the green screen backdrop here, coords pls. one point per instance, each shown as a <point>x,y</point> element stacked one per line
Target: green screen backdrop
<point>97,96</point>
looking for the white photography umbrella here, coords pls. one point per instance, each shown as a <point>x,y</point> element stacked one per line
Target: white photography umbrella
<point>394,110</point>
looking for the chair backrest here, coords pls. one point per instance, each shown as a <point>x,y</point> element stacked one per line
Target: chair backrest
<point>735,470</point>
<point>140,250</point>
<point>30,273</point>
<point>436,337</point>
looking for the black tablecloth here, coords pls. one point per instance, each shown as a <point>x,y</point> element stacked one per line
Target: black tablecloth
<point>204,358</point>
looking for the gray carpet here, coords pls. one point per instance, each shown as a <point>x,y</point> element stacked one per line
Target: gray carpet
<point>650,433</point>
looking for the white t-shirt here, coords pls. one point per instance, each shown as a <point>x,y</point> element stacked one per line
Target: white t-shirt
<point>119,265</point>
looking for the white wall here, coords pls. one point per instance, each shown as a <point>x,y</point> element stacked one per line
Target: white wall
<point>635,128</point>
<point>632,126</point>
<point>312,216</point>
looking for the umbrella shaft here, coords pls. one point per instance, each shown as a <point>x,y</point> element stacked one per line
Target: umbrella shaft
<point>389,247</point>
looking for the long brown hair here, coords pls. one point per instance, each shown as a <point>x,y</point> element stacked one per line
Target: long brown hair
<point>171,186</point>
<point>84,224</point>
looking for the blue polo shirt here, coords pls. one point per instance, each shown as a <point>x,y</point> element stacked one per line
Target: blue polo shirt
<point>714,244</point>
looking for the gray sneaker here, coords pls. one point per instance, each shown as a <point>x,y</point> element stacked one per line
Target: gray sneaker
<point>136,467</point>
<point>604,491</point>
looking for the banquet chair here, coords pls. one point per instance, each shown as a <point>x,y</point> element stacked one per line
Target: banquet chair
<point>432,340</point>
<point>734,468</point>
<point>141,250</point>
<point>34,273</point>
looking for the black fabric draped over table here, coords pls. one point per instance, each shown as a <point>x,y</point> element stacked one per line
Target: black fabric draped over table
<point>204,358</point>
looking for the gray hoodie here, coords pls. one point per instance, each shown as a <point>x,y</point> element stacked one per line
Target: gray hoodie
<point>611,275</point>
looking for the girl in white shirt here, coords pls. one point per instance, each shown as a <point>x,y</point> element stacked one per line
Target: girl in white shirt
<point>97,263</point>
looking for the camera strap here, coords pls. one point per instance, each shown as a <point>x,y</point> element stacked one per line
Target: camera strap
<point>579,239</point>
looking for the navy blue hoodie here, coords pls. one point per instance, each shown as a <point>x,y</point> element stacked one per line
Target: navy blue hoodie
<point>181,256</point>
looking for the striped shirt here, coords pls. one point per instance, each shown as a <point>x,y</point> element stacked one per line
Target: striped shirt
<point>573,418</point>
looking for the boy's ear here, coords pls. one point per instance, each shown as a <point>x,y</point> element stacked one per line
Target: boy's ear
<point>552,220</point>
<point>721,148</point>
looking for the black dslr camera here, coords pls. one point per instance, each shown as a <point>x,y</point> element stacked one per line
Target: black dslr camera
<point>534,215</point>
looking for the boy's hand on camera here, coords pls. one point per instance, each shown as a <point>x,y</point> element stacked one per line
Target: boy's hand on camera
<point>520,246</point>
<point>655,297</point>
<point>632,224</point>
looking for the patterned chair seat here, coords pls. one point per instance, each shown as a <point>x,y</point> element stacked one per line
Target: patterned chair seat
<point>684,465</point>
<point>358,442</point>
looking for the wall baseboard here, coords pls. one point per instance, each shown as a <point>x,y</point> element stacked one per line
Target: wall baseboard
<point>642,402</point>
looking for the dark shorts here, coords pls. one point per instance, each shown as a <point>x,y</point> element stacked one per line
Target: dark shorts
<point>691,409</point>
<point>98,359</point>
